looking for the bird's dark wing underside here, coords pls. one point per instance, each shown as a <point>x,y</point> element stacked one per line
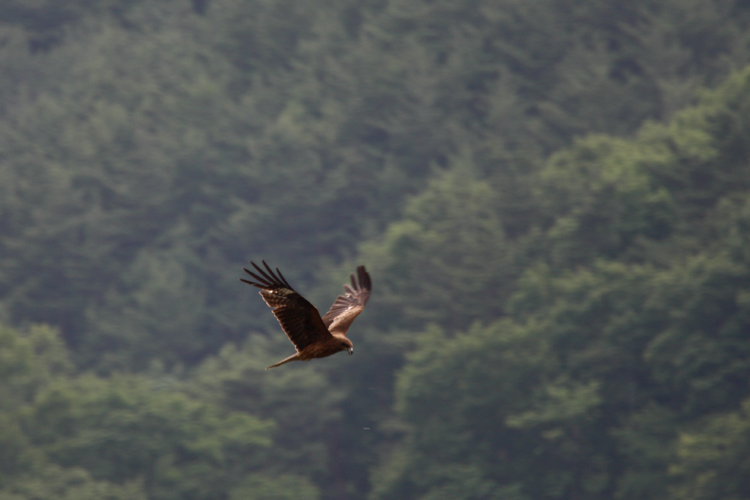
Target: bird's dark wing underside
<point>351,304</point>
<point>299,319</point>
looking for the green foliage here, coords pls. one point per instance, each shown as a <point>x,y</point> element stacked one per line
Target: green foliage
<point>712,459</point>
<point>281,487</point>
<point>236,379</point>
<point>558,312</point>
<point>47,20</point>
<point>229,128</point>
<point>126,436</point>
<point>638,321</point>
<point>69,484</point>
<point>123,429</point>
<point>646,440</point>
<point>702,355</point>
<point>602,201</point>
<point>157,294</point>
<point>456,393</point>
<point>452,236</point>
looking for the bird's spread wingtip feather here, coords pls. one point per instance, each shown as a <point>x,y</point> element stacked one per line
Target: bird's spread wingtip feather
<point>250,283</point>
<point>282,278</point>
<point>268,278</point>
<point>269,269</point>
<point>261,281</point>
<point>364,278</point>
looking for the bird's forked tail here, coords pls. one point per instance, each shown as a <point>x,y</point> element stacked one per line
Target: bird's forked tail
<point>293,357</point>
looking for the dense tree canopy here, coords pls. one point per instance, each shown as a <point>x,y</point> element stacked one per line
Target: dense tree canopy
<point>552,197</point>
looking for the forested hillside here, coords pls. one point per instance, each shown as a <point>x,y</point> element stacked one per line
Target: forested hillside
<point>552,198</point>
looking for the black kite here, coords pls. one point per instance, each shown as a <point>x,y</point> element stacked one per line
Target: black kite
<point>312,336</point>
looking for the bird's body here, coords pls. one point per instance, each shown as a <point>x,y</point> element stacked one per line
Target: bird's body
<point>318,350</point>
<point>312,335</point>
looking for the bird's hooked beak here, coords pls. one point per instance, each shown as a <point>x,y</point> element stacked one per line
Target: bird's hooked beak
<point>351,351</point>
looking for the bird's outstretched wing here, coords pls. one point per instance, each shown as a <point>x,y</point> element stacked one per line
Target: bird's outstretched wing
<point>340,316</point>
<point>299,319</point>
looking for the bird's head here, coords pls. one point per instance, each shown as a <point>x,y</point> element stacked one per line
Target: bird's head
<point>346,345</point>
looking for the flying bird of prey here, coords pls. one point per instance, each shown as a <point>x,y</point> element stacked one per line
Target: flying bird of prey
<point>312,336</point>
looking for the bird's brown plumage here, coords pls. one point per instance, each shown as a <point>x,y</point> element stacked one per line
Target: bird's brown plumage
<point>312,336</point>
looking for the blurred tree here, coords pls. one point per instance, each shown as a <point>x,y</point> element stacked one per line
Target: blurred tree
<point>600,202</point>
<point>46,21</point>
<point>69,484</point>
<point>301,402</point>
<point>148,150</point>
<point>157,294</point>
<point>712,458</point>
<point>455,395</point>
<point>702,358</point>
<point>126,429</point>
<point>147,125</point>
<point>639,329</point>
<point>452,237</point>
<point>281,487</point>
<point>128,436</point>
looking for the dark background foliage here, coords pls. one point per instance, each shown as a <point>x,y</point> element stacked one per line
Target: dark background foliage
<point>552,197</point>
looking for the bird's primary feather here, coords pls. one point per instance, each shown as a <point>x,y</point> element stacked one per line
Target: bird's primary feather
<point>299,319</point>
<point>347,307</point>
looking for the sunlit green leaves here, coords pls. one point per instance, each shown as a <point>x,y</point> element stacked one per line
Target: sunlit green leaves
<point>712,458</point>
